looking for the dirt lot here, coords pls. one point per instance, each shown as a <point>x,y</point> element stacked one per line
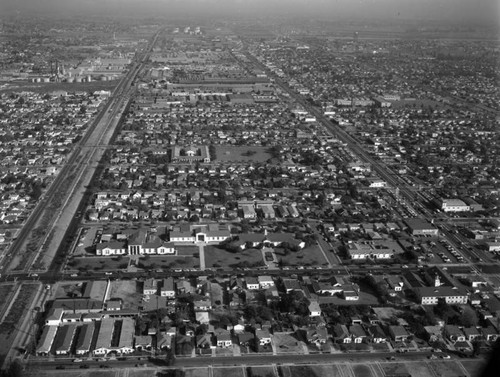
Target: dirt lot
<point>243,154</point>
<point>68,289</point>
<point>215,257</point>
<point>128,291</point>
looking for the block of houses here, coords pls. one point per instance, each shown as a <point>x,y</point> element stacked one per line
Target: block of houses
<point>204,341</point>
<point>252,283</point>
<point>265,281</point>
<point>472,333</point>
<point>150,287</point>
<point>317,334</point>
<point>223,338</point>
<point>314,309</point>
<point>168,288</point>
<point>398,333</point>
<point>263,336</point>
<point>246,339</point>
<point>359,335</point>
<point>489,334</point>
<point>453,333</point>
<point>341,334</point>
<point>377,334</point>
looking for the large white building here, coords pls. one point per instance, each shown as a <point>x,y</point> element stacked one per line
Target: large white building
<point>454,205</point>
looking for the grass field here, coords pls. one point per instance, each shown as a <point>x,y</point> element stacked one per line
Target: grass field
<point>216,257</point>
<point>244,154</point>
<point>228,372</point>
<point>141,373</point>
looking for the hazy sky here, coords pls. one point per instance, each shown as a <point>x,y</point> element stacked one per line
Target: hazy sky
<point>459,10</point>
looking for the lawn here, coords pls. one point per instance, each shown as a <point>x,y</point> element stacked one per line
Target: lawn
<point>168,261</point>
<point>228,372</point>
<point>218,257</point>
<point>98,263</point>
<point>244,154</point>
<point>309,256</point>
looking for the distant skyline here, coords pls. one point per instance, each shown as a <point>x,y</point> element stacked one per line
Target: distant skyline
<point>459,11</point>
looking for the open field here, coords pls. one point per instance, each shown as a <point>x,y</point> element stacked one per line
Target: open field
<point>128,291</point>
<point>473,367</point>
<point>244,154</point>
<point>364,299</point>
<point>394,368</point>
<point>228,372</point>
<point>362,370</point>
<point>5,290</point>
<point>309,256</point>
<point>217,257</point>
<point>263,371</point>
<point>445,368</point>
<point>311,371</point>
<point>141,373</point>
<point>196,372</point>
<point>285,343</point>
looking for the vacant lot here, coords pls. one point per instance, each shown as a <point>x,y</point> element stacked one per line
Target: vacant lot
<point>83,264</point>
<point>394,368</point>
<point>5,290</point>
<point>196,372</point>
<point>260,371</point>
<point>446,368</point>
<point>141,373</point>
<point>364,299</point>
<point>473,367</point>
<point>218,257</point>
<point>285,343</point>
<point>311,371</point>
<point>362,370</point>
<point>309,256</point>
<point>228,372</point>
<point>128,291</point>
<point>243,154</point>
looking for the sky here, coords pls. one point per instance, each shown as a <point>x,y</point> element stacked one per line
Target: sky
<point>461,11</point>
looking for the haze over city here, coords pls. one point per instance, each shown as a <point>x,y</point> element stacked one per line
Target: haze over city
<point>261,188</point>
<point>459,11</point>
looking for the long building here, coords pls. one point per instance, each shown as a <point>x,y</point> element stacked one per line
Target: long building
<point>103,344</point>
<point>47,339</point>
<point>85,339</point>
<point>67,336</point>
